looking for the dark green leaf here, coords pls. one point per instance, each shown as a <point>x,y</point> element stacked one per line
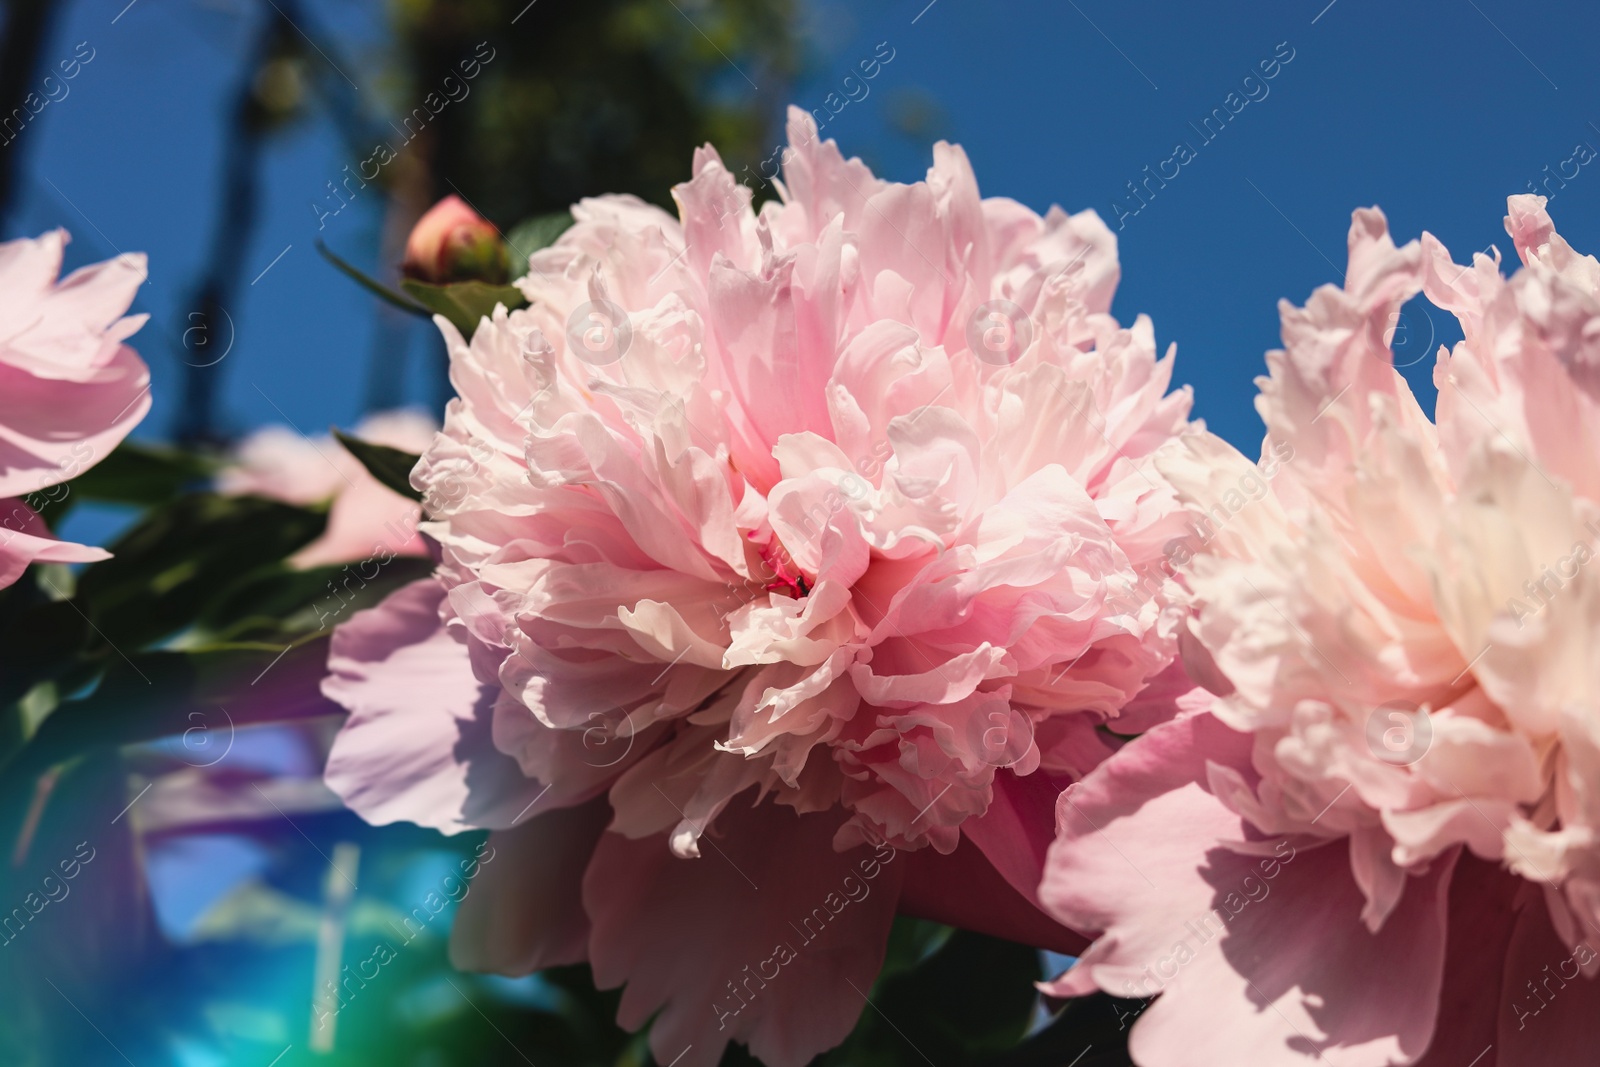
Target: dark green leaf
<point>143,474</point>
<point>168,568</point>
<point>465,303</point>
<point>372,285</point>
<point>390,466</point>
<point>151,695</point>
<point>1089,1031</point>
<point>969,1000</point>
<point>532,234</point>
<point>910,942</point>
<point>284,601</point>
<point>39,643</point>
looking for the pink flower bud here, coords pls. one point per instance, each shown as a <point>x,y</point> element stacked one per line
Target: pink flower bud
<point>453,243</point>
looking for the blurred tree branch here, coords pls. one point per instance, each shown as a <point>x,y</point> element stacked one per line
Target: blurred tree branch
<point>27,25</point>
<point>196,419</point>
<point>269,95</point>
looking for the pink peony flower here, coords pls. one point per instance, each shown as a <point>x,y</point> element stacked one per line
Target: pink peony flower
<point>791,561</point>
<point>70,390</point>
<point>1379,846</point>
<point>365,517</point>
<point>452,242</point>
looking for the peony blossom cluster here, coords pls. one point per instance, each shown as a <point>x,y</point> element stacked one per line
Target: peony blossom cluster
<point>791,561</point>
<point>365,517</point>
<point>1381,844</point>
<point>70,389</point>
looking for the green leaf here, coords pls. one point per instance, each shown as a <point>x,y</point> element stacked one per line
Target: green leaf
<point>143,474</point>
<point>151,695</point>
<point>279,603</point>
<point>372,285</point>
<point>39,643</point>
<point>911,941</point>
<point>390,466</point>
<point>532,234</point>
<point>1089,1031</point>
<point>42,635</point>
<point>166,570</point>
<point>137,474</point>
<point>464,303</point>
<point>970,999</point>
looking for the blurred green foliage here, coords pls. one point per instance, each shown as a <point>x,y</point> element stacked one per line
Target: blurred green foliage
<point>591,97</point>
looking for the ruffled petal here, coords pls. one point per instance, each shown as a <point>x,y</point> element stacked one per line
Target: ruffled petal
<point>418,745</point>
<point>771,938</point>
<point>524,910</point>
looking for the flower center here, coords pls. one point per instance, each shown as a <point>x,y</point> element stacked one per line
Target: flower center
<point>787,577</point>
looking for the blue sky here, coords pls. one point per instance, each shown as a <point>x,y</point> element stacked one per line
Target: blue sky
<point>1433,111</point>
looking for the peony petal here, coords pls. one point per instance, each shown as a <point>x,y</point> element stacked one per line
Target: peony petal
<point>1483,912</point>
<point>524,909</point>
<point>1016,831</point>
<point>25,539</point>
<point>1550,1010</point>
<point>417,745</point>
<point>771,938</point>
<point>964,889</point>
<point>1297,976</point>
<point>1269,939</point>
